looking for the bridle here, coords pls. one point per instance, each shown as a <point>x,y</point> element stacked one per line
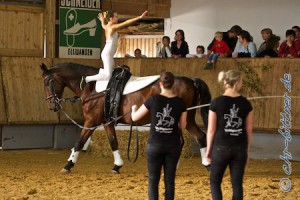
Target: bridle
<point>53,95</point>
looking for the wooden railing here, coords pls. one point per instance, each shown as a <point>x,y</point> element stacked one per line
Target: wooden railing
<point>22,94</point>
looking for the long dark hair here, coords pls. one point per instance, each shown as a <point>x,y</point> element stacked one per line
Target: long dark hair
<point>181,33</point>
<point>167,79</point>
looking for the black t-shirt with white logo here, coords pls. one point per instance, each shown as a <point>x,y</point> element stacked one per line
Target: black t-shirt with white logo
<point>231,116</point>
<point>165,116</point>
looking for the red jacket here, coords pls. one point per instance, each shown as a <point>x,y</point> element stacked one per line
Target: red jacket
<point>297,45</point>
<point>284,50</point>
<point>220,47</point>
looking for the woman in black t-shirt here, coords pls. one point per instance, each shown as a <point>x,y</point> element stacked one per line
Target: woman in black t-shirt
<point>168,117</point>
<point>230,123</point>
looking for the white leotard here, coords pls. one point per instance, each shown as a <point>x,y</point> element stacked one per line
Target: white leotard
<point>107,56</point>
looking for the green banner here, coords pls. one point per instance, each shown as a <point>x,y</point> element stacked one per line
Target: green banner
<point>79,29</point>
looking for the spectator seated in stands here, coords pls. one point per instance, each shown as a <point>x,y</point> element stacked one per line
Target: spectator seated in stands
<point>163,50</point>
<point>179,47</point>
<point>230,37</point>
<point>288,48</point>
<point>245,47</point>
<point>199,52</point>
<point>219,49</point>
<point>271,47</point>
<point>265,34</point>
<point>297,38</point>
<point>137,54</point>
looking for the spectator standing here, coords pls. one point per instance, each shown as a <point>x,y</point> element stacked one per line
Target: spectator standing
<point>271,47</point>
<point>179,47</point>
<point>288,48</point>
<point>230,37</point>
<point>297,38</point>
<point>245,48</point>
<point>163,50</point>
<point>265,34</point>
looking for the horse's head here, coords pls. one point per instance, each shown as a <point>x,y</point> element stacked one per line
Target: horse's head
<point>53,89</point>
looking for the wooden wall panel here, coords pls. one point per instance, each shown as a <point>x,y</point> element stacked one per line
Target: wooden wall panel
<point>22,31</point>
<point>147,43</point>
<point>24,91</point>
<point>3,118</point>
<point>156,8</point>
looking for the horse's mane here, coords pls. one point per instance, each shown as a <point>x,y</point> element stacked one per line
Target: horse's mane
<point>73,70</point>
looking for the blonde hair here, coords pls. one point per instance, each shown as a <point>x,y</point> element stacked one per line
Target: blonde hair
<point>229,78</point>
<point>218,33</point>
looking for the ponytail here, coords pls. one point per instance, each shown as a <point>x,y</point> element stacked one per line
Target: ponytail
<point>167,79</point>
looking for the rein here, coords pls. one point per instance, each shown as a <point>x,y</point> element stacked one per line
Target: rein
<point>129,144</point>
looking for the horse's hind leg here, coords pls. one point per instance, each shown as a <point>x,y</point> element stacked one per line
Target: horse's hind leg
<point>113,141</point>
<point>198,135</point>
<point>85,134</point>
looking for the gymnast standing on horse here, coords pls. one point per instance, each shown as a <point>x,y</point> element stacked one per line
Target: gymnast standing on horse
<point>230,124</point>
<point>109,22</point>
<point>168,118</point>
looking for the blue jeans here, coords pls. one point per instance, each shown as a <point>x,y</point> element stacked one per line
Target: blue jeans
<point>213,57</point>
<point>165,156</point>
<point>236,158</point>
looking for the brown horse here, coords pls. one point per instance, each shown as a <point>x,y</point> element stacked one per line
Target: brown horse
<point>58,77</point>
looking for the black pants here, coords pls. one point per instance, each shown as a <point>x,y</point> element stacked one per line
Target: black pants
<point>236,158</point>
<point>159,156</point>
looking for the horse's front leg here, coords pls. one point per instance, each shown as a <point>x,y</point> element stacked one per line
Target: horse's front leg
<point>85,134</point>
<point>113,141</point>
<point>199,136</point>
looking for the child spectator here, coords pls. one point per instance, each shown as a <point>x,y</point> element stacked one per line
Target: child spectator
<point>288,48</point>
<point>220,48</point>
<point>137,54</point>
<point>199,52</point>
<point>271,47</point>
<point>163,50</point>
<point>265,34</point>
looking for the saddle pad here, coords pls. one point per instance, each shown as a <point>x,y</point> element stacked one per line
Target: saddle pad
<point>134,84</point>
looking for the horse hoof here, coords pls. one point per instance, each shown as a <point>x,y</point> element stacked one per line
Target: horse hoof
<point>65,171</point>
<point>116,169</point>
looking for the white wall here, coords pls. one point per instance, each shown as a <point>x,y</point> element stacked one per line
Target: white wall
<point>200,19</point>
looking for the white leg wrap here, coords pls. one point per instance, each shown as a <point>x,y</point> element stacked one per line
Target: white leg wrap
<point>203,157</point>
<point>117,158</point>
<point>74,156</point>
<point>87,144</point>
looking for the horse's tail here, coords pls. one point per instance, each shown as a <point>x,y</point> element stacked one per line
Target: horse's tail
<point>203,96</point>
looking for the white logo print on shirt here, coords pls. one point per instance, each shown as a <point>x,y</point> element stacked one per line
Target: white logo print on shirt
<point>234,122</point>
<point>165,120</point>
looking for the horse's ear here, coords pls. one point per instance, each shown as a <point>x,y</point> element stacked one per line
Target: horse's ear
<point>44,68</point>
